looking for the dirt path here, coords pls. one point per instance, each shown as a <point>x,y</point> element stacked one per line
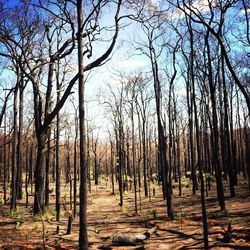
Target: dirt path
<point>21,230</point>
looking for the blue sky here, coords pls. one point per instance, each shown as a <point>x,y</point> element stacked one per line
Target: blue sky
<point>123,59</point>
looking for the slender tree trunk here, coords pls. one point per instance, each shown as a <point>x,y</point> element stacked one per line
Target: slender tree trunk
<point>112,166</point>
<point>203,204</point>
<point>227,133</point>
<point>247,153</point>
<point>191,139</point>
<point>31,169</point>
<point>88,162</point>
<point>83,233</point>
<point>68,165</point>
<point>14,154</point>
<point>139,149</point>
<point>94,147</point>
<point>58,167</point>
<point>165,171</point>
<point>75,163</point>
<point>9,155</point>
<point>47,110</point>
<point>121,161</point>
<point>179,158</point>
<point>19,179</point>
<point>134,156</point>
<point>27,172</point>
<point>5,163</point>
<point>198,146</point>
<point>144,154</point>
<point>47,167</point>
<point>220,189</point>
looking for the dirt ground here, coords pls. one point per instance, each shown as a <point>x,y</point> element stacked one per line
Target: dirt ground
<point>22,230</point>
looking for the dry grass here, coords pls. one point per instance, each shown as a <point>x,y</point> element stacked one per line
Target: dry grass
<point>21,230</point>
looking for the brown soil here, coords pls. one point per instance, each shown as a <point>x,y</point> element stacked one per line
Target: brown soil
<point>21,230</point>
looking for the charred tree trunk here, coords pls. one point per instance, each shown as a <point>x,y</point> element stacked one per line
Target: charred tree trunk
<point>58,167</point>
<point>112,165</point>
<point>83,233</point>
<point>247,153</point>
<point>19,179</point>
<point>47,110</point>
<point>212,87</point>
<point>134,156</point>
<point>75,163</point>
<point>144,153</point>
<point>5,177</point>
<point>121,161</point>
<point>47,167</point>
<point>197,130</point>
<point>14,153</point>
<point>165,171</point>
<point>229,160</point>
<point>39,176</point>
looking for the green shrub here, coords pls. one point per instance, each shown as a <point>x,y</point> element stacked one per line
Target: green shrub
<point>16,213</point>
<point>154,213</point>
<point>185,182</point>
<point>177,216</point>
<point>1,202</point>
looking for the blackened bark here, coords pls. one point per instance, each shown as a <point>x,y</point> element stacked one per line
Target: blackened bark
<point>112,165</point>
<point>212,87</point>
<point>120,160</point>
<point>14,154</point>
<point>19,180</point>
<point>75,163</point>
<point>247,153</point>
<point>47,110</point>
<point>83,233</point>
<point>144,152</point>
<point>39,177</point>
<point>58,167</point>
<point>165,171</point>
<point>198,146</point>
<point>134,155</point>
<point>229,162</point>
<point>5,163</point>
<point>47,167</point>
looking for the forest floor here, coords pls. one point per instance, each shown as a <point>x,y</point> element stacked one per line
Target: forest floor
<point>22,230</point>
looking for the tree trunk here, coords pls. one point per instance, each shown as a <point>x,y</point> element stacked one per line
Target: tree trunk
<point>58,166</point>
<point>198,146</point>
<point>14,154</point>
<point>5,163</point>
<point>47,167</point>
<point>19,179</point>
<point>134,157</point>
<point>75,163</point>
<point>39,177</point>
<point>83,233</point>
<point>165,171</point>
<point>227,134</point>
<point>220,190</point>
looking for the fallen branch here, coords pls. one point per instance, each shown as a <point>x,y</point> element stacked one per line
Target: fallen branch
<point>124,240</point>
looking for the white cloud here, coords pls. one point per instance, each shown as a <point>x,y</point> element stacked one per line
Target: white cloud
<point>201,6</point>
<point>153,4</point>
<point>244,12</point>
